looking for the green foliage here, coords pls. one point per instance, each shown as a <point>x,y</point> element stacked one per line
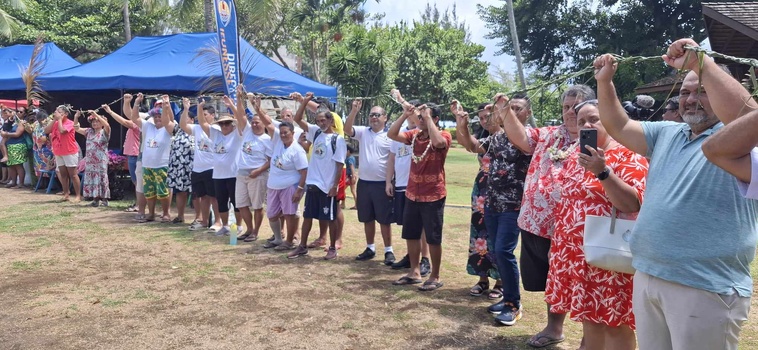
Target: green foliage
<point>558,35</point>
<point>84,29</point>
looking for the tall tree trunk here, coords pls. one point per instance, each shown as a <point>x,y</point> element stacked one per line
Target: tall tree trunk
<point>517,48</point>
<point>209,15</point>
<point>127,23</point>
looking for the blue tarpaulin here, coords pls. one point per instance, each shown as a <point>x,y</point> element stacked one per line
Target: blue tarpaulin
<point>15,59</point>
<point>170,64</point>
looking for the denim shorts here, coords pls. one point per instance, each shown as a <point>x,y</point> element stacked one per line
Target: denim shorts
<point>132,168</point>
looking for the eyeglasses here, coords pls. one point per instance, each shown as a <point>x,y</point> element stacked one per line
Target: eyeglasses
<point>225,123</point>
<point>671,109</point>
<point>374,115</point>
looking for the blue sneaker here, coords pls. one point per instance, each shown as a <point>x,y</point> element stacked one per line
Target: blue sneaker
<point>509,314</point>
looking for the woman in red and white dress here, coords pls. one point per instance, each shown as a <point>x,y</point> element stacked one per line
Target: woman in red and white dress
<point>612,176</point>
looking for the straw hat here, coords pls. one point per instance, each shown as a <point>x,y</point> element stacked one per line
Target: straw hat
<point>225,118</point>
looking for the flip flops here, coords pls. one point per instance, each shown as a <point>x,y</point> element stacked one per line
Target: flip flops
<point>405,280</point>
<point>429,286</point>
<point>541,341</point>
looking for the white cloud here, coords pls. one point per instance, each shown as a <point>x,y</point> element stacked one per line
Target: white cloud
<point>408,10</point>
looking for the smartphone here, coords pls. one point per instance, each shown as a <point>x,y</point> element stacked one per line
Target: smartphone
<point>587,137</point>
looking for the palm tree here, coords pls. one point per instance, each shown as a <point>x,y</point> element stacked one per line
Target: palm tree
<point>9,24</point>
<point>187,7</point>
<point>127,23</point>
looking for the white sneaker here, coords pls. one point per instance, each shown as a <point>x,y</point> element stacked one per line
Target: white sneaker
<point>240,230</point>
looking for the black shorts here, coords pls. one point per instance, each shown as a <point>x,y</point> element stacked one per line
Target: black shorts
<point>373,202</point>
<point>424,215</point>
<point>398,205</point>
<point>534,261</point>
<point>318,205</point>
<point>202,184</point>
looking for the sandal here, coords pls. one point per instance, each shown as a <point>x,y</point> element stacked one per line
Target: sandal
<point>318,243</point>
<point>140,219</point>
<point>271,244</point>
<point>131,209</point>
<point>243,236</point>
<point>405,280</point>
<point>165,219</point>
<point>478,289</point>
<point>177,220</point>
<point>251,238</point>
<point>495,293</point>
<point>429,286</point>
<point>541,341</point>
<point>285,246</point>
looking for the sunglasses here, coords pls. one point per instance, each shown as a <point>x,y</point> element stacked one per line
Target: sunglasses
<point>225,123</point>
<point>374,115</point>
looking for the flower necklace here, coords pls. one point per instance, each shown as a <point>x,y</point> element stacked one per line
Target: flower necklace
<point>557,154</point>
<point>414,157</point>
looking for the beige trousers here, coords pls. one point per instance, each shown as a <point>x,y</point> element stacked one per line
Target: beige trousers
<point>671,316</point>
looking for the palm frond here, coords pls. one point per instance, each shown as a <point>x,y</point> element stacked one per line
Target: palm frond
<point>208,58</point>
<point>8,25</point>
<point>31,73</point>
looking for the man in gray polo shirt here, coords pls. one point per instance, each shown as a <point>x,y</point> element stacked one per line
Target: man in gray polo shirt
<point>695,235</point>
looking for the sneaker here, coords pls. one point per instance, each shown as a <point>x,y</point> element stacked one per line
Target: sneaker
<point>240,230</point>
<point>496,308</point>
<point>509,315</point>
<point>195,225</point>
<point>224,231</point>
<point>425,267</point>
<point>298,252</point>
<point>404,263</point>
<point>331,254</point>
<point>367,254</point>
<point>389,258</point>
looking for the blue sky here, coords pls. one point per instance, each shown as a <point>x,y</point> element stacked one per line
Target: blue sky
<point>408,10</point>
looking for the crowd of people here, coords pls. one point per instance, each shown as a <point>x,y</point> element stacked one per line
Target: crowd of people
<point>690,182</point>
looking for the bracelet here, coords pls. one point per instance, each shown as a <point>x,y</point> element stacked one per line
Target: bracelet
<point>300,187</point>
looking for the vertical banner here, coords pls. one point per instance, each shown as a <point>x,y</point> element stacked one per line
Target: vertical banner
<point>229,47</point>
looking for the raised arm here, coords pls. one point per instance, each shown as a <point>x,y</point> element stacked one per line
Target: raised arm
<point>135,110</point>
<point>51,124</point>
<point>622,195</point>
<point>730,147</point>
<point>77,127</point>
<point>239,112</point>
<point>103,121</point>
<point>513,127</point>
<point>203,123</point>
<point>462,134</point>
<point>185,121</point>
<point>729,99</point>
<point>435,136</point>
<point>265,118</point>
<point>626,131</point>
<point>351,118</point>
<point>394,131</point>
<point>301,109</point>
<point>167,113</point>
<point>119,119</point>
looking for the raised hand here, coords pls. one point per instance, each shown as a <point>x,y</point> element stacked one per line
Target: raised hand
<point>500,100</point>
<point>357,104</point>
<point>165,100</point>
<point>462,119</point>
<point>200,104</point>
<point>456,109</point>
<point>595,162</point>
<point>128,97</point>
<point>254,100</point>
<point>186,103</point>
<point>680,58</point>
<point>228,101</point>
<point>139,98</point>
<point>240,90</point>
<point>296,96</point>
<point>605,68</point>
<point>106,108</point>
<point>308,97</point>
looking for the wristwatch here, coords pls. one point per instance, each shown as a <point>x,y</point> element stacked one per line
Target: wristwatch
<point>604,175</point>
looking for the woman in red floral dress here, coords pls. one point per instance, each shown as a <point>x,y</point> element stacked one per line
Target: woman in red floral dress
<point>592,185</point>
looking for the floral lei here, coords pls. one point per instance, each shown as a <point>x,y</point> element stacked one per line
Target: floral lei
<point>557,154</point>
<point>414,157</point>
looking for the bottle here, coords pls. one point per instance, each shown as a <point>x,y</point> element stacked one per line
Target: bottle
<point>233,235</point>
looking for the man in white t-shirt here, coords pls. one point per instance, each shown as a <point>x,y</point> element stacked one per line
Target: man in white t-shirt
<point>202,168</point>
<point>322,181</point>
<point>374,205</point>
<point>398,170</point>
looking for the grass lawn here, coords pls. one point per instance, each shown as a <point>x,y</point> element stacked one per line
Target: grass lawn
<point>77,277</point>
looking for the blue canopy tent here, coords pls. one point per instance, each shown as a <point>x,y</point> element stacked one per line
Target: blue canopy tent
<point>170,64</point>
<point>14,59</point>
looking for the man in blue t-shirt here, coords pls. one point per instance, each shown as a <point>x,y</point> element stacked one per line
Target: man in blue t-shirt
<point>695,235</point>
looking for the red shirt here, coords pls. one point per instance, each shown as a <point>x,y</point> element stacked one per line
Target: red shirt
<point>426,182</point>
<point>64,144</point>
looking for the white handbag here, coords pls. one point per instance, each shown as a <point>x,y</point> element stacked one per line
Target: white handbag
<point>606,242</point>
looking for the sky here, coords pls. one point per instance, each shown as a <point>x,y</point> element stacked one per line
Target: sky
<point>408,10</point>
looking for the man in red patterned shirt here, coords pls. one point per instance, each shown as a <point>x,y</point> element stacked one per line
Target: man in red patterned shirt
<point>425,192</point>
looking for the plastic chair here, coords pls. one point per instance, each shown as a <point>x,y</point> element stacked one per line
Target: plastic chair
<point>51,175</point>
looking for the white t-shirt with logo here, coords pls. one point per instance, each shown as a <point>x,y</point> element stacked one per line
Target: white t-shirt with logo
<point>285,163</point>
<point>322,168</point>
<point>156,146</point>
<point>226,149</point>
<point>374,152</point>
<point>204,155</point>
<point>254,148</point>
<point>402,154</point>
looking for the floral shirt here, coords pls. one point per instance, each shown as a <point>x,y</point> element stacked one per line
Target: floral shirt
<point>506,167</point>
<point>542,186</point>
<point>426,182</point>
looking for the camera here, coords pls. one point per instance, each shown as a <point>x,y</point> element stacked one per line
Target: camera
<point>641,108</point>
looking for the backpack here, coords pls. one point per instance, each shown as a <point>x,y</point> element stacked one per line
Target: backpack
<point>334,140</point>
